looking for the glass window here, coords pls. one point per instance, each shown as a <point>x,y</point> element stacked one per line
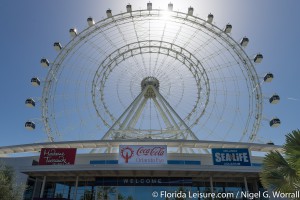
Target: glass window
<point>28,194</point>
<point>128,193</point>
<point>139,188</point>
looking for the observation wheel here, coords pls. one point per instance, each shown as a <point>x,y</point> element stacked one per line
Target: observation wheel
<point>152,73</point>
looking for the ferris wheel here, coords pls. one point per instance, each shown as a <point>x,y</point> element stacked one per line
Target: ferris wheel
<point>152,73</point>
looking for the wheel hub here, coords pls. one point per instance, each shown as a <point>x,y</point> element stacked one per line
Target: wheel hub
<point>150,80</point>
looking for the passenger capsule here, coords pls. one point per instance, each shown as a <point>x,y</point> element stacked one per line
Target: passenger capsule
<point>190,11</point>
<point>109,13</point>
<point>30,103</point>
<point>149,6</point>
<point>129,8</point>
<point>228,28</point>
<point>90,21</point>
<point>73,32</point>
<point>268,77</point>
<point>275,122</point>
<point>274,99</point>
<point>30,125</point>
<point>170,7</point>
<point>258,58</point>
<point>45,62</point>
<point>210,18</point>
<point>244,42</point>
<point>35,81</point>
<point>57,46</point>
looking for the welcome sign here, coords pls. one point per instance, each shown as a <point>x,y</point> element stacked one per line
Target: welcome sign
<point>143,181</point>
<point>57,156</point>
<point>231,157</point>
<point>142,154</point>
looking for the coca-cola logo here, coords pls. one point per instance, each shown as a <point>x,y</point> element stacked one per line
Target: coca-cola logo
<point>127,153</point>
<point>154,151</point>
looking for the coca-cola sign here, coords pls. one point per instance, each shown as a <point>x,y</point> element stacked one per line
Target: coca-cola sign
<point>57,156</point>
<point>143,154</point>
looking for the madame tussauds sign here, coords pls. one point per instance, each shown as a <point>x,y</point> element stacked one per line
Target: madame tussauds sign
<point>57,156</point>
<point>142,154</point>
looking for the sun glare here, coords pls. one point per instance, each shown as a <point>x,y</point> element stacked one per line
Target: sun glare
<point>166,15</point>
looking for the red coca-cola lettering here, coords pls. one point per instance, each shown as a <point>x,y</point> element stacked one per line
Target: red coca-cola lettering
<point>154,151</point>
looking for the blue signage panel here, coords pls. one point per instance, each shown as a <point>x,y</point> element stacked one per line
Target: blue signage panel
<point>231,157</point>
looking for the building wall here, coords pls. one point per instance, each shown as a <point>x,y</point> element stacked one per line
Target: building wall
<point>21,163</point>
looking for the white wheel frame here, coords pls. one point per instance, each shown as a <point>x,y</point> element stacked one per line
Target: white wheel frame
<point>143,44</point>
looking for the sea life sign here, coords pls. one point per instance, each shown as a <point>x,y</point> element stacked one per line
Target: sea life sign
<point>231,157</point>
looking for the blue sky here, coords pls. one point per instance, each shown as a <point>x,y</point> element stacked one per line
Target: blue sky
<point>29,28</point>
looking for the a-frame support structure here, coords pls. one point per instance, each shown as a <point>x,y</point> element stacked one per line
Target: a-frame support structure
<point>171,125</point>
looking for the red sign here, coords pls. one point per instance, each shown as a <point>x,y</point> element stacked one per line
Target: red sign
<point>57,156</point>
